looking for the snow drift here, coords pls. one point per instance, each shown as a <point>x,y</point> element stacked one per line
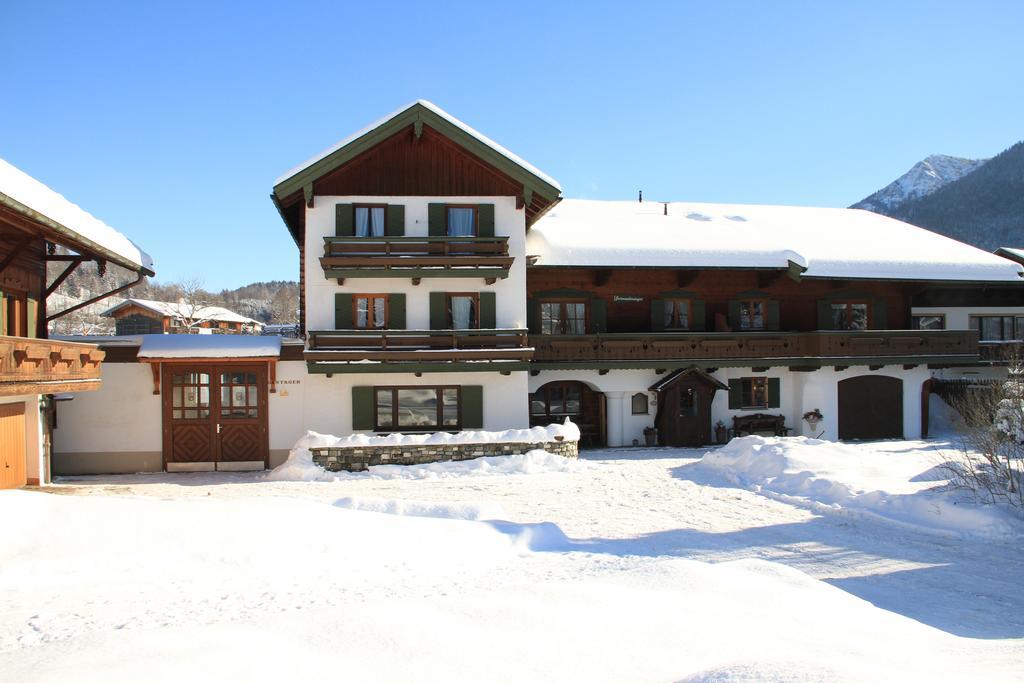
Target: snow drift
<point>898,485</point>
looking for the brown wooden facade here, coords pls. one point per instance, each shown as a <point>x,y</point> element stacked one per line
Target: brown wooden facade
<point>625,320</point>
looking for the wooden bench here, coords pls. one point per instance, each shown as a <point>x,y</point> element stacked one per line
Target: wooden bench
<point>759,422</point>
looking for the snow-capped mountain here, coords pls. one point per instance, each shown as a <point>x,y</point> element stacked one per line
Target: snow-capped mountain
<point>925,177</point>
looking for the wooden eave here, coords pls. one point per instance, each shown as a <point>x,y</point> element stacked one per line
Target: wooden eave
<point>25,219</point>
<point>692,371</point>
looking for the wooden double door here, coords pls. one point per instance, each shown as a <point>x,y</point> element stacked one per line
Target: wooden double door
<point>215,414</point>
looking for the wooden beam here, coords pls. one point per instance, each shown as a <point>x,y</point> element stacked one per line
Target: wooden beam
<point>273,376</point>
<point>685,278</point>
<point>63,276</point>
<point>155,368</point>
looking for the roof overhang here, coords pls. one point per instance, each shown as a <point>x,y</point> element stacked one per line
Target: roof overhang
<point>692,371</point>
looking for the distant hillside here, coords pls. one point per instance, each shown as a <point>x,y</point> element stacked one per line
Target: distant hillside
<point>276,301</point>
<point>983,206</point>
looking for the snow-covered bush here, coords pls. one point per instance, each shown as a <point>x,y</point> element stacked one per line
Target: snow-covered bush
<point>991,462</point>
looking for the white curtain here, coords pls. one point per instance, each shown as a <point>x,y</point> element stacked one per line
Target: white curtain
<point>460,222</point>
<point>462,313</point>
<point>369,221</point>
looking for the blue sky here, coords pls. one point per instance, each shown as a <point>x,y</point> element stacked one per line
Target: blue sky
<point>171,121</point>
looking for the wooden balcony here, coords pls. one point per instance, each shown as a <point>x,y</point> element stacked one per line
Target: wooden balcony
<point>47,366</point>
<point>664,350</point>
<point>1002,353</point>
<point>350,351</point>
<point>416,257</point>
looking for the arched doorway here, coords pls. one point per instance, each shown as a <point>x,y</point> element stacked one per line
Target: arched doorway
<point>871,407</point>
<point>557,400</point>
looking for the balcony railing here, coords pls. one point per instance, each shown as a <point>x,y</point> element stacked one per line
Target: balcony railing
<point>416,257</point>
<point>1002,352</point>
<point>416,350</point>
<point>46,366</point>
<point>810,348</point>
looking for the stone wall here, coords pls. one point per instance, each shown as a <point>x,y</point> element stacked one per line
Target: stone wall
<point>358,458</point>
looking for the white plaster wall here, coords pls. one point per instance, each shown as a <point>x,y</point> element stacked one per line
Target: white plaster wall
<point>799,392</point>
<point>324,404</point>
<point>122,416</point>
<point>510,293</point>
<point>958,318</point>
<point>35,458</point>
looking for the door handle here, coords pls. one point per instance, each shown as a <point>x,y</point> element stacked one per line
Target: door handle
<point>218,427</point>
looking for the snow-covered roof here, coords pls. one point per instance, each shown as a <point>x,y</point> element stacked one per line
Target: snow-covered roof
<point>826,242</point>
<point>208,346</point>
<point>443,114</point>
<point>182,310</point>
<point>1011,253</point>
<point>27,195</point>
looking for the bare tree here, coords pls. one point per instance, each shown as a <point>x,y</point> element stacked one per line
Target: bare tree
<point>192,308</point>
<point>284,306</point>
<point>990,464</point>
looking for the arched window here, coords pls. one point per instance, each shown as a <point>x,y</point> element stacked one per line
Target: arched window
<point>640,404</point>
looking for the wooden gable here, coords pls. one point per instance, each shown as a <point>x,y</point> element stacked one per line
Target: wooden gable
<point>415,153</point>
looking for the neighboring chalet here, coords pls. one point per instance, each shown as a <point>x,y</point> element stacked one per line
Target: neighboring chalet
<point>142,316</point>
<point>445,285</point>
<point>34,220</point>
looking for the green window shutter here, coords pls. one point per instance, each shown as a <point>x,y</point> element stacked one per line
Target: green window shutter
<point>436,220</point>
<point>879,317</point>
<point>344,220</point>
<point>33,315</point>
<point>734,315</point>
<point>488,311</point>
<point>485,220</point>
<point>774,391</point>
<point>824,315</point>
<point>598,316</point>
<point>396,220</point>
<point>772,316</point>
<point>698,317</point>
<point>342,311</point>
<point>657,315</point>
<point>362,408</point>
<point>735,393</point>
<point>473,407</point>
<point>438,311</point>
<point>396,311</point>
<point>533,316</point>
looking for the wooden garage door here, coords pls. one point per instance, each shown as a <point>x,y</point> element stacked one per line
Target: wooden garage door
<point>871,407</point>
<point>12,445</point>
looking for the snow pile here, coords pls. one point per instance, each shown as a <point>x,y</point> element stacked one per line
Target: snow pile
<point>898,486</point>
<point>209,346</point>
<point>943,419</point>
<point>300,466</point>
<point>553,432</point>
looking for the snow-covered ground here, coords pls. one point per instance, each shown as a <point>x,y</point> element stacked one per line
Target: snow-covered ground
<point>642,564</point>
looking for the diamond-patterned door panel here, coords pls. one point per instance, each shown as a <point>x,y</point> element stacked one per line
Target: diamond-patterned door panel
<point>191,443</point>
<point>241,442</point>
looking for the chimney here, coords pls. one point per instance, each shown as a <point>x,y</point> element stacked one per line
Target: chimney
<point>666,208</point>
<point>641,197</point>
